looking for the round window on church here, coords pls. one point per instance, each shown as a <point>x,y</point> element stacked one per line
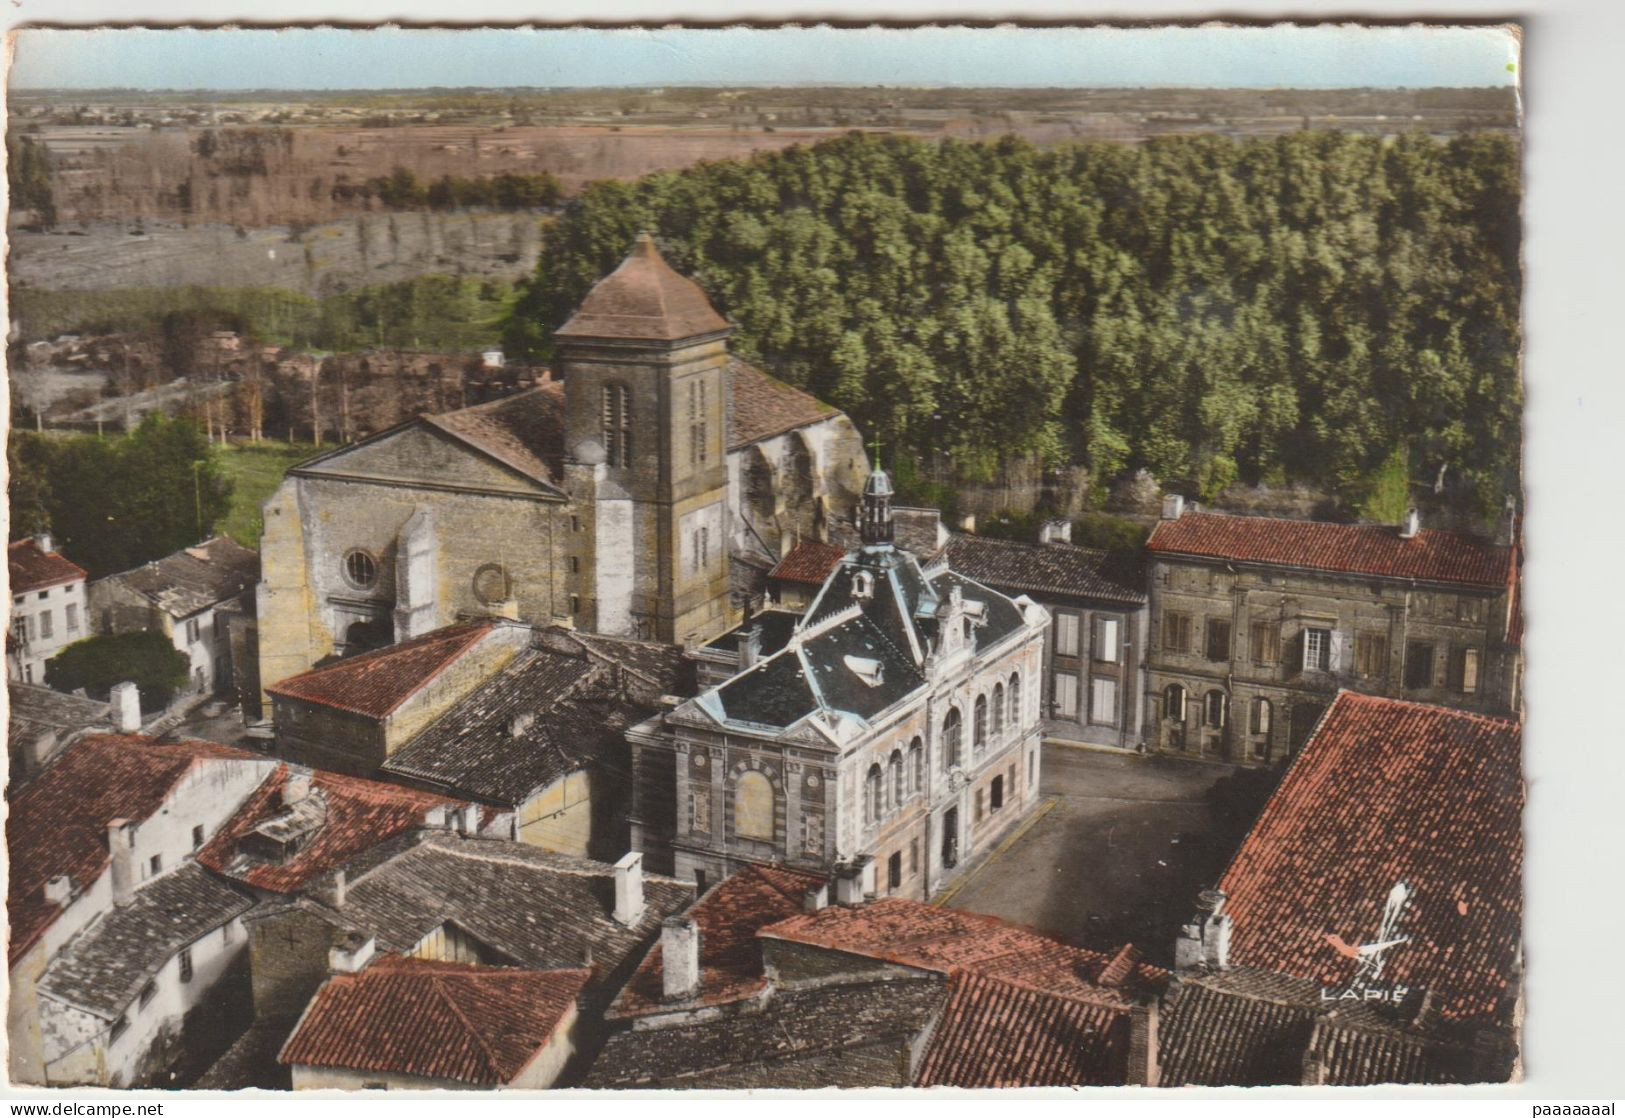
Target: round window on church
<point>491,584</point>
<point>360,570</point>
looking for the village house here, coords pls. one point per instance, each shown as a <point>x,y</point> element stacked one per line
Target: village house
<point>1398,825</point>
<point>899,719</point>
<point>781,978</point>
<point>40,723</point>
<point>191,598</point>
<point>117,935</point>
<point>1257,622</point>
<point>47,607</point>
<point>611,499</point>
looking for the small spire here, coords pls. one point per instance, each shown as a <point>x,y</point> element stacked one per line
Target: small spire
<point>876,526</point>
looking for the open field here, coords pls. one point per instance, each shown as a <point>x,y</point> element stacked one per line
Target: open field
<point>255,471</point>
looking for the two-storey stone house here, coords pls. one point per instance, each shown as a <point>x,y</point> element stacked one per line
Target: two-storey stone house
<point>899,719</point>
<point>1256,623</point>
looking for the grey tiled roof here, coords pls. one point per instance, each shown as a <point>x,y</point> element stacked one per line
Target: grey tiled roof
<point>772,1046</point>
<point>37,710</point>
<point>195,578</point>
<point>1048,570</point>
<point>533,907</point>
<point>104,967</point>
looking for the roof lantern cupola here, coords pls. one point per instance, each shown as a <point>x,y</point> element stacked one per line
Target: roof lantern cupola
<point>875,525</point>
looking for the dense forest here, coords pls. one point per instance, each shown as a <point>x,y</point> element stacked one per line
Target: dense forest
<point>1318,306</point>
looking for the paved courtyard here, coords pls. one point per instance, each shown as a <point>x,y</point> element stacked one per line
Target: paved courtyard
<point>1125,844</point>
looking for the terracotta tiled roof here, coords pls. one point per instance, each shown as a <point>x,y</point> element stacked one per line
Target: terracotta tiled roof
<point>524,432</point>
<point>473,1024</point>
<point>998,1034</point>
<point>33,569</point>
<point>643,299</point>
<point>354,815</point>
<point>764,406</point>
<point>1047,568</point>
<point>195,578</point>
<point>808,564</point>
<point>1237,1028</point>
<point>58,823</point>
<point>1364,549</point>
<point>375,683</point>
<point>729,916</point>
<point>942,939</point>
<point>1385,792</point>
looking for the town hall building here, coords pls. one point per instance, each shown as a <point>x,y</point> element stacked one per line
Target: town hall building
<point>612,497</point>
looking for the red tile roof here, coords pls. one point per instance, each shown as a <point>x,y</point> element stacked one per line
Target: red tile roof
<point>357,815</point>
<point>58,823</point>
<point>920,935</point>
<point>808,564</point>
<point>643,299</point>
<point>473,1024</point>
<point>764,406</point>
<point>998,1034</point>
<point>729,916</point>
<point>33,569</point>
<point>375,683</point>
<point>524,431</point>
<point>1385,792</point>
<point>1364,549</point>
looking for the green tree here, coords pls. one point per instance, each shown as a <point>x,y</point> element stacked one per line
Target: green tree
<point>149,660</point>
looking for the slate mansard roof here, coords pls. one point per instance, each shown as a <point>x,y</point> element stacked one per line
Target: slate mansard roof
<point>458,1021</point>
<point>1048,568</point>
<point>195,578</point>
<point>1383,792</point>
<point>32,569</point>
<point>104,967</point>
<point>376,683</point>
<point>1359,549</point>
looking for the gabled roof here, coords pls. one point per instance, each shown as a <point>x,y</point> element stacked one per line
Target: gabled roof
<point>1363,549</point>
<point>1048,569</point>
<point>36,710</point>
<point>728,916</point>
<point>353,815</point>
<point>809,563</point>
<point>645,300</point>
<point>472,1024</point>
<point>194,578</point>
<point>32,569</point>
<point>58,822</point>
<point>524,432</point>
<point>375,683</point>
<point>104,967</point>
<point>1384,792</point>
<point>764,406</point>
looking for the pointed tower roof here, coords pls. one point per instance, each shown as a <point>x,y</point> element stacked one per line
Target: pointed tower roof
<point>644,300</point>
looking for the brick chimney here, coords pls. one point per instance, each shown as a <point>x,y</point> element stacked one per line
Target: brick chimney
<point>1173,506</point>
<point>125,700</point>
<point>1204,944</point>
<point>629,907</point>
<point>352,955</point>
<point>680,958</point>
<point>121,867</point>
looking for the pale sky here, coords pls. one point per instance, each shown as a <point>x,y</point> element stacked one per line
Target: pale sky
<point>398,58</point>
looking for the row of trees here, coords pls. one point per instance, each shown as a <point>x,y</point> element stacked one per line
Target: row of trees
<point>115,503</point>
<point>1303,307</point>
<point>401,189</point>
<point>28,176</point>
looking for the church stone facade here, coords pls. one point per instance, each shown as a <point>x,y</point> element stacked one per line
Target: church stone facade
<point>608,499</point>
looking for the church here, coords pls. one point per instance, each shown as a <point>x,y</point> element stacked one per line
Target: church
<point>631,494</point>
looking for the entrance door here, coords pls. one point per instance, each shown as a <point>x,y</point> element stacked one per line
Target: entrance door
<point>950,838</point>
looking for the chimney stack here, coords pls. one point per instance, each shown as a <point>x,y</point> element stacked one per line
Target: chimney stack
<point>120,839</point>
<point>629,889</point>
<point>854,881</point>
<point>1143,1068</point>
<point>1506,529</point>
<point>750,647</point>
<point>680,958</point>
<point>43,541</point>
<point>1412,525</point>
<point>125,700</point>
<point>1055,531</point>
<point>816,899</point>
<point>351,956</point>
<point>1205,942</point>
<point>296,788</point>
<point>1173,506</point>
<point>341,889</point>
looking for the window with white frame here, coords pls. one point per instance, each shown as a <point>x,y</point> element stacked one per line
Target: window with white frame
<point>1317,650</point>
<point>1066,695</point>
<point>1066,633</point>
<point>1103,701</point>
<point>1106,639</point>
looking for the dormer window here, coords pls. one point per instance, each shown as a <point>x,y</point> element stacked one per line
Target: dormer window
<point>863,585</point>
<point>870,671</point>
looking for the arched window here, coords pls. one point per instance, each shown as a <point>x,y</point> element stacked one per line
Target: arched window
<point>873,795</point>
<point>979,723</point>
<point>1263,715</point>
<point>998,709</point>
<point>1016,721</point>
<point>1215,708</point>
<point>916,766</point>
<point>753,806</point>
<point>1173,702</point>
<point>617,425</point>
<point>952,728</point>
<point>897,789</point>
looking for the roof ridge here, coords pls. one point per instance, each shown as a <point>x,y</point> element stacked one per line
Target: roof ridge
<point>492,1066</point>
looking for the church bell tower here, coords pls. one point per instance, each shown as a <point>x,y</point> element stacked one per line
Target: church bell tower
<point>644,361</point>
